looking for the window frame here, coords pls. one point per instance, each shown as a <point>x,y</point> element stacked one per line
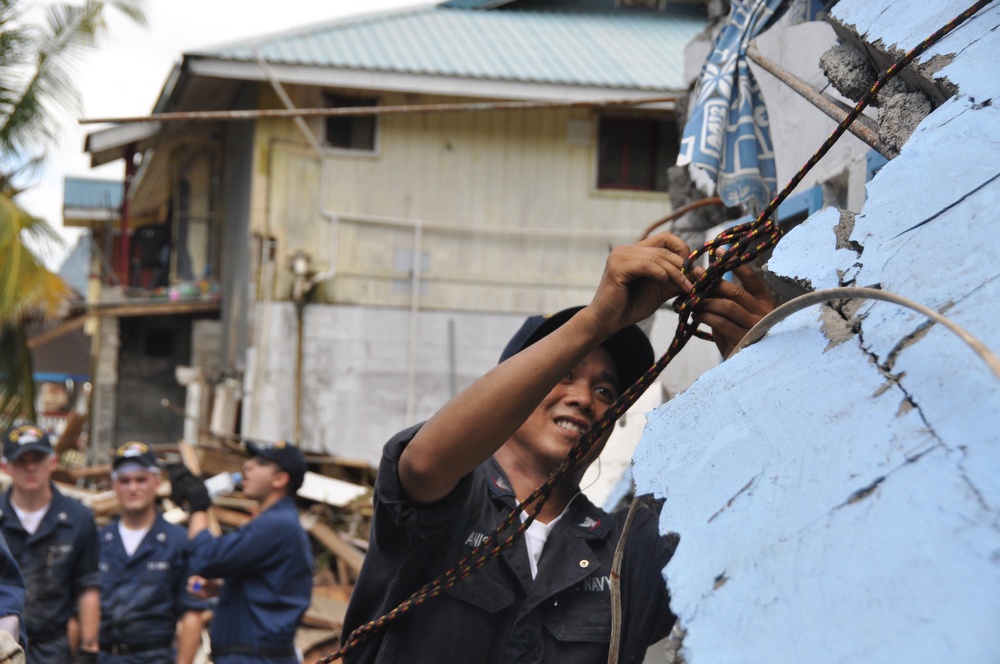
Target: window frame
<point>628,122</point>
<point>329,101</point>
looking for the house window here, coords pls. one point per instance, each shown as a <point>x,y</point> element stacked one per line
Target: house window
<point>634,153</point>
<point>641,4</point>
<point>351,132</point>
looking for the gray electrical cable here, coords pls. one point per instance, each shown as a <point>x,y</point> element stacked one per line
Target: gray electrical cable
<point>855,292</point>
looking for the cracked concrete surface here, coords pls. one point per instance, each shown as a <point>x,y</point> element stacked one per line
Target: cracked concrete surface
<point>871,528</point>
<point>899,115</point>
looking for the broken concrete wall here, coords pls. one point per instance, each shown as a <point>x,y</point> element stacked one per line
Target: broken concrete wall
<point>798,127</point>
<point>835,486</point>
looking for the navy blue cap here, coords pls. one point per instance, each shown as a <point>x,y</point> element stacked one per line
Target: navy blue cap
<point>286,456</point>
<point>24,438</point>
<point>134,452</point>
<point>629,348</point>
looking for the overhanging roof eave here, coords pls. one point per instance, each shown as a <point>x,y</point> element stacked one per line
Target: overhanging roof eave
<point>419,83</point>
<point>106,145</point>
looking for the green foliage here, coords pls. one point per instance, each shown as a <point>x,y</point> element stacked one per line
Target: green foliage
<point>34,72</point>
<point>15,374</point>
<point>27,288</point>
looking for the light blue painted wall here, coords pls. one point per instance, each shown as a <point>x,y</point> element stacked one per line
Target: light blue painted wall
<point>765,461</point>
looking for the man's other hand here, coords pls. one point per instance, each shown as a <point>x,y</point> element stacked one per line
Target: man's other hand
<point>732,308</point>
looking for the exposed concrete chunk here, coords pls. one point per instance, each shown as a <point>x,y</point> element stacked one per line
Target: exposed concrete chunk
<point>843,232</point>
<point>786,288</point>
<point>675,643</point>
<point>835,327</point>
<point>848,70</point>
<point>905,406</point>
<point>901,110</point>
<point>895,86</point>
<point>899,115</point>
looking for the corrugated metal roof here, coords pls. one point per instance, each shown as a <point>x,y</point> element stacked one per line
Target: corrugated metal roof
<point>608,49</point>
<point>89,193</point>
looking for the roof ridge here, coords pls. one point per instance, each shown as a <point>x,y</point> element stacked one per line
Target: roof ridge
<point>312,28</point>
<point>528,46</point>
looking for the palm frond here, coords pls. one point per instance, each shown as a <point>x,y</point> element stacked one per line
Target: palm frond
<point>17,387</point>
<point>25,119</point>
<point>134,9</point>
<point>26,286</point>
<point>10,172</point>
<point>11,35</point>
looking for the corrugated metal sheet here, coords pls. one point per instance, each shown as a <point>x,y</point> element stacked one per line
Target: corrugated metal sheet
<point>595,49</point>
<point>87,193</point>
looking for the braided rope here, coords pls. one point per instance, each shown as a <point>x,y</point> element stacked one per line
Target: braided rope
<point>731,249</point>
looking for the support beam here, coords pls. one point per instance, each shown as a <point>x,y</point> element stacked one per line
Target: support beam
<point>260,113</point>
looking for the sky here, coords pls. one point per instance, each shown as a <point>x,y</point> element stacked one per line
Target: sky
<point>125,75</point>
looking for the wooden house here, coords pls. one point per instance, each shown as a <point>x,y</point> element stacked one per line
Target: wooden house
<point>372,263</point>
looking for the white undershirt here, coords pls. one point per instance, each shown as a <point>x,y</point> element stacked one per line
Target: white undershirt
<point>535,537</point>
<point>31,520</point>
<point>131,538</point>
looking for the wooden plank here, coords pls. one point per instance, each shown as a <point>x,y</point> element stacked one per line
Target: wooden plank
<point>151,308</point>
<point>330,539</point>
<point>329,490</point>
<point>190,457</point>
<point>105,503</point>
<point>67,440</point>
<point>63,328</point>
<point>87,472</point>
<point>327,607</point>
<point>315,642</point>
<point>215,460</point>
<point>154,308</point>
<point>234,502</point>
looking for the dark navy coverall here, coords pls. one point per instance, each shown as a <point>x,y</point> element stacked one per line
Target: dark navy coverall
<point>58,563</point>
<point>267,568</point>
<point>11,587</point>
<point>143,595</point>
<point>500,614</point>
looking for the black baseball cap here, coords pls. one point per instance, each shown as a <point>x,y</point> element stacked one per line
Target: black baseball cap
<point>137,453</point>
<point>286,456</point>
<point>22,439</point>
<point>629,348</point>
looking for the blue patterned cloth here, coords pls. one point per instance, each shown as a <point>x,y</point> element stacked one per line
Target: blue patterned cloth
<point>727,138</point>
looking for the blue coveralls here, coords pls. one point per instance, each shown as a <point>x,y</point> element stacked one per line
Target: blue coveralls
<point>11,587</point>
<point>58,563</point>
<point>500,614</point>
<point>143,595</point>
<point>267,568</point>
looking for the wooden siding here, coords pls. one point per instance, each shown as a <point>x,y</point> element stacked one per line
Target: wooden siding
<point>462,177</point>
